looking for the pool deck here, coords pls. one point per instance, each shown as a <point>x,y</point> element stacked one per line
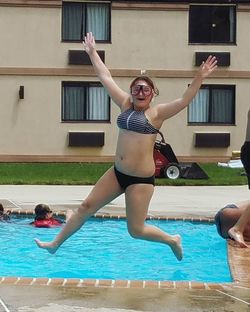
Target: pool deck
<point>192,203</point>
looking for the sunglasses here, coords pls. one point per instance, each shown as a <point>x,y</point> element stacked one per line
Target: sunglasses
<point>146,90</point>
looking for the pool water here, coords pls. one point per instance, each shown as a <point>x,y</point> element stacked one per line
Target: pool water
<point>103,249</point>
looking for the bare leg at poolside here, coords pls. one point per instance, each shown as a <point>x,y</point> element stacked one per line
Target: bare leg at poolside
<point>236,232</point>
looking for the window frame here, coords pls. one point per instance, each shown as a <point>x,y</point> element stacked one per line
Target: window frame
<point>84,4</point>
<point>193,42</point>
<point>212,87</point>
<point>84,84</point>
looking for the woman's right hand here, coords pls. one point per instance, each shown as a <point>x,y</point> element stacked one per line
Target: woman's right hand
<point>115,92</point>
<point>89,43</point>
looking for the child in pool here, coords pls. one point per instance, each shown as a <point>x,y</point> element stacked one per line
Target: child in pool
<point>44,217</point>
<point>4,216</point>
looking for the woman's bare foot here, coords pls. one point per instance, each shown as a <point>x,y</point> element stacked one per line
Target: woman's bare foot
<point>177,247</point>
<point>50,247</point>
<point>238,237</point>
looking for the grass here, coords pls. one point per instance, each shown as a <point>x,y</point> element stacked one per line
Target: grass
<point>89,173</point>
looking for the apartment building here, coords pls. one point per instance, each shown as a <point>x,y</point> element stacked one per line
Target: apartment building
<point>53,107</point>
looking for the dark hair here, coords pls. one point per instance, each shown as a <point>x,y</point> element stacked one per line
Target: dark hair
<point>1,208</point>
<point>41,210</point>
<point>149,82</point>
<point>217,221</point>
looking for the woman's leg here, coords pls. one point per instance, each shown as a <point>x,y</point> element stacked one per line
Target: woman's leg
<point>236,232</point>
<point>68,214</point>
<point>105,190</point>
<point>137,198</point>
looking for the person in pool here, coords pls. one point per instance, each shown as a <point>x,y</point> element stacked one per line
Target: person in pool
<point>4,215</point>
<point>233,222</point>
<point>44,217</point>
<point>134,168</point>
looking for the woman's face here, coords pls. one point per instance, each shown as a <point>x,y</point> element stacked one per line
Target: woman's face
<point>142,94</point>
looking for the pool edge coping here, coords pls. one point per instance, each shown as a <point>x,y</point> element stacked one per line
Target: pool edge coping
<point>108,283</point>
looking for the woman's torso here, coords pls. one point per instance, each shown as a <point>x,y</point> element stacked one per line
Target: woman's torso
<point>134,153</point>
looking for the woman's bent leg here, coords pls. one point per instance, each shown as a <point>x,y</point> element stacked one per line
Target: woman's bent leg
<point>138,197</point>
<point>236,232</point>
<point>105,190</point>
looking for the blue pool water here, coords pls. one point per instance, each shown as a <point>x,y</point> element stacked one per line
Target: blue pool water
<point>103,249</point>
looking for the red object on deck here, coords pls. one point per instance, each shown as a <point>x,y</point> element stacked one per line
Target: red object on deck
<point>160,162</point>
<point>165,158</point>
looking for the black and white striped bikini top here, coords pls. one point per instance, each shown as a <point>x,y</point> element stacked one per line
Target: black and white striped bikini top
<point>135,121</point>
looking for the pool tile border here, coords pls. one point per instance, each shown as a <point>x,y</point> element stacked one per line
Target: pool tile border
<point>238,258</point>
<point>98,283</point>
<point>22,212</point>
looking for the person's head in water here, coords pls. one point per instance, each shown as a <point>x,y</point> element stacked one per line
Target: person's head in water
<point>1,209</point>
<point>4,215</point>
<point>42,211</point>
<point>225,219</point>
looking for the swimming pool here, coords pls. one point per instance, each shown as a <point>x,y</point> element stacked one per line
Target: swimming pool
<point>103,249</point>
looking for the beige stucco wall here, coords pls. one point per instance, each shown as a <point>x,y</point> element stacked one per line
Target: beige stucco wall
<point>33,125</point>
<point>31,37</point>
<point>141,39</point>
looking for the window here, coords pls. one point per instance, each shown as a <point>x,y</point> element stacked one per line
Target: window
<point>84,101</point>
<point>213,104</point>
<point>78,18</point>
<point>212,24</point>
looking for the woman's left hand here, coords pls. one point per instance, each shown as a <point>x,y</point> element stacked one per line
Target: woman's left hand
<point>89,43</point>
<point>208,66</point>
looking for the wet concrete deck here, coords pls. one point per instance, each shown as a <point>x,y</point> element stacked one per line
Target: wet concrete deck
<point>46,299</point>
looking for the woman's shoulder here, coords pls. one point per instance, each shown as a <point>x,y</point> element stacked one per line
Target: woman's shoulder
<point>126,107</point>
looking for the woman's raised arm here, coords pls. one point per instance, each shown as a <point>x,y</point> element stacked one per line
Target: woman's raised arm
<point>119,96</point>
<point>165,111</point>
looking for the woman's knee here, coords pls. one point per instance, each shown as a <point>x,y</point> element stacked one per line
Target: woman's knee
<point>136,231</point>
<point>86,208</point>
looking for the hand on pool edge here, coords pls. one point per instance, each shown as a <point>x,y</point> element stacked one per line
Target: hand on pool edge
<point>46,245</point>
<point>237,236</point>
<point>233,243</point>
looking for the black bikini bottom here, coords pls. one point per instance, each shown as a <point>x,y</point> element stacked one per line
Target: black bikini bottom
<point>125,180</point>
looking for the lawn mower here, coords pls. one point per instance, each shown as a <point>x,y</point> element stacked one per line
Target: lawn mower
<point>168,166</point>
